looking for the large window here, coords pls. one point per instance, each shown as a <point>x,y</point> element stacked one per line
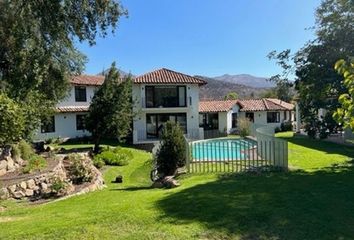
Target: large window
<point>250,116</point>
<point>80,94</point>
<point>209,121</point>
<point>165,96</point>
<point>80,122</point>
<point>48,125</point>
<point>234,120</point>
<point>155,122</point>
<point>273,117</point>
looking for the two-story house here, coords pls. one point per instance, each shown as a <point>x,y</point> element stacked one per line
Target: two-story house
<point>159,96</point>
<point>68,121</point>
<point>164,95</point>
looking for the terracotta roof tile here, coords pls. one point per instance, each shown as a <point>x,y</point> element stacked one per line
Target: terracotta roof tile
<point>216,106</point>
<point>89,80</point>
<point>265,104</point>
<point>166,76</point>
<point>72,109</point>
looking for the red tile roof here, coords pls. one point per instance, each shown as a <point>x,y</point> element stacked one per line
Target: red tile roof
<point>265,104</point>
<point>216,106</point>
<point>72,109</point>
<point>166,76</point>
<point>89,80</point>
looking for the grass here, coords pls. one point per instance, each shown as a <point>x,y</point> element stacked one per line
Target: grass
<point>313,203</point>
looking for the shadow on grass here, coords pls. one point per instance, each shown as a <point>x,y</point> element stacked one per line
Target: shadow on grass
<point>132,189</point>
<point>293,205</point>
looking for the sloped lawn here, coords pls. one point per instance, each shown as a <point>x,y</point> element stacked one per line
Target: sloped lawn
<point>314,204</point>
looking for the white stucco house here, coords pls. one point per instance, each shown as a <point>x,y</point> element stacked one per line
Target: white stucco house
<point>159,96</point>
<point>223,115</point>
<point>68,121</point>
<point>164,95</point>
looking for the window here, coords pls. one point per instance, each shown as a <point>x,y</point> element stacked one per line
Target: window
<point>273,117</point>
<point>80,94</point>
<point>234,120</point>
<point>48,126</point>
<point>80,122</point>
<point>209,121</point>
<point>165,96</point>
<point>250,116</point>
<point>155,122</point>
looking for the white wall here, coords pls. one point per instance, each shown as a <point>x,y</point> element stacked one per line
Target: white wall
<point>69,100</point>
<point>65,127</point>
<point>260,118</point>
<point>192,110</point>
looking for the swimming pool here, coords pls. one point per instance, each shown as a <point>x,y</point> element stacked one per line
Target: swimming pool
<point>227,149</point>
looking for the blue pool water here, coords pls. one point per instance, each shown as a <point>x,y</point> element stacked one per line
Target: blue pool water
<point>221,149</point>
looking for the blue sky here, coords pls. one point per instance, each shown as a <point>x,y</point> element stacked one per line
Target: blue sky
<point>204,37</point>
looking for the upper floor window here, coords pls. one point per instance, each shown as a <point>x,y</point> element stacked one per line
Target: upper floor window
<point>80,94</point>
<point>273,117</point>
<point>48,126</point>
<point>80,122</point>
<point>165,96</point>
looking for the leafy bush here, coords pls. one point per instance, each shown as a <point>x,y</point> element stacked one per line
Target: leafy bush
<point>35,163</point>
<point>98,162</point>
<point>286,126</point>
<point>172,151</point>
<point>244,126</point>
<point>79,171</point>
<point>15,151</point>
<point>115,157</point>
<point>277,129</point>
<point>58,186</point>
<point>25,149</point>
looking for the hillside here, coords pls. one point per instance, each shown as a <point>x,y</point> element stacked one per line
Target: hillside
<point>216,89</point>
<point>247,80</point>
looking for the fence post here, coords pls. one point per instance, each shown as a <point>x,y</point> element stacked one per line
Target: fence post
<point>187,155</point>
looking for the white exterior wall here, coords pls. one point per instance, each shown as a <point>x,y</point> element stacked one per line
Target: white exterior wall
<point>192,110</point>
<point>69,100</point>
<point>65,127</point>
<point>65,123</point>
<point>260,118</point>
<point>225,119</point>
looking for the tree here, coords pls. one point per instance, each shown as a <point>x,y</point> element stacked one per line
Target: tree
<point>231,96</point>
<point>12,121</point>
<point>345,114</point>
<point>172,151</point>
<point>317,83</point>
<point>37,48</point>
<point>111,111</point>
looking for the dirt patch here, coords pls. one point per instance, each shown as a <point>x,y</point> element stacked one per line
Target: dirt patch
<point>10,219</point>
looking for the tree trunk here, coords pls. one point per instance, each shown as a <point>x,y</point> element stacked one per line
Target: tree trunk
<point>96,148</point>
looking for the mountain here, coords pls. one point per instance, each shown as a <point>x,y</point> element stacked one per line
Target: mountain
<point>217,89</point>
<point>247,80</point>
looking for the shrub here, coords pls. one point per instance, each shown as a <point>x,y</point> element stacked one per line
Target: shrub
<point>79,171</point>
<point>172,151</point>
<point>286,126</point>
<point>58,186</point>
<point>244,126</point>
<point>98,162</point>
<point>35,163</point>
<point>25,149</point>
<point>15,152</point>
<point>277,129</point>
<point>115,157</point>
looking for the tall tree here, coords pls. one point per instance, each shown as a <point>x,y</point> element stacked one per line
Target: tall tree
<point>345,114</point>
<point>111,111</point>
<point>231,96</point>
<point>37,47</point>
<point>317,83</point>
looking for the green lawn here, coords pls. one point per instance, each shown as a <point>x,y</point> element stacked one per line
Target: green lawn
<point>302,204</point>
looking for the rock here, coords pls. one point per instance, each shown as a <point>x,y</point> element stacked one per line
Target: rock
<point>12,189</point>
<point>4,194</point>
<point>31,184</point>
<point>3,172</point>
<point>29,192</point>
<point>44,186</point>
<point>23,185</point>
<point>3,164</point>
<point>10,164</point>
<point>18,194</point>
<point>169,182</point>
<point>157,184</point>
